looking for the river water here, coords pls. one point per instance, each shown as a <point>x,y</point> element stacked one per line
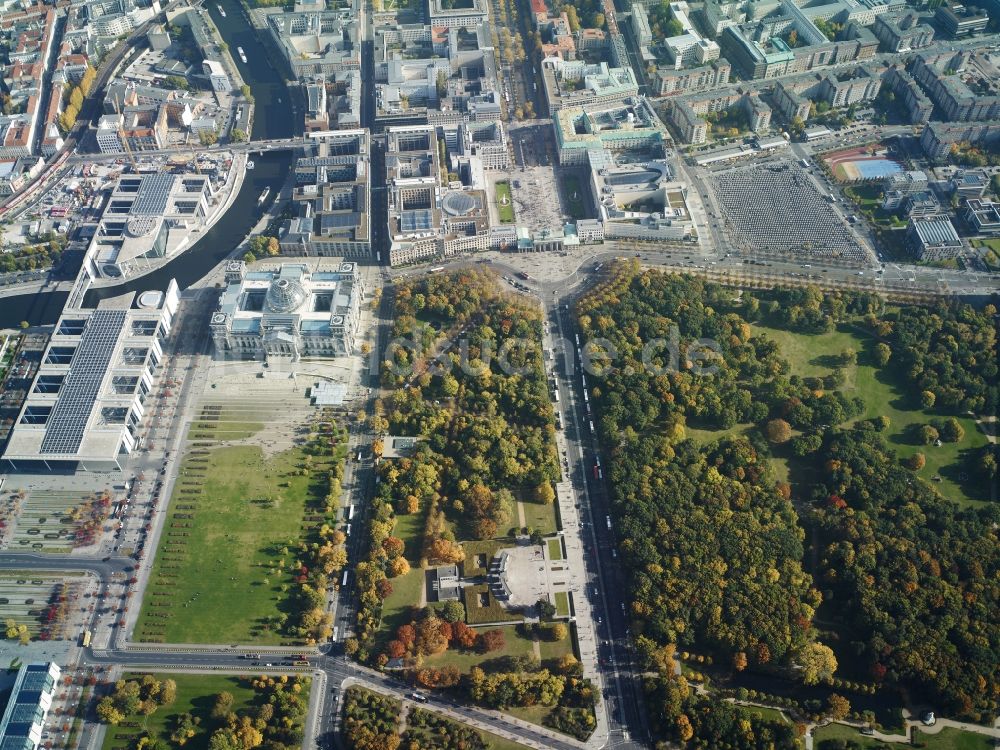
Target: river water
<point>273,118</point>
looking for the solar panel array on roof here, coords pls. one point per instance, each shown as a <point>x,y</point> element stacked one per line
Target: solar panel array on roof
<point>68,422</point>
<point>936,231</point>
<point>153,195</point>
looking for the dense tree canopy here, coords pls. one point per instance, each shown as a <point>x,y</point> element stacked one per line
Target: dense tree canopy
<point>949,352</point>
<point>723,564</point>
<point>916,574</point>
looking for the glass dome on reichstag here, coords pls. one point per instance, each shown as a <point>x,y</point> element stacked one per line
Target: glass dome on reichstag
<point>285,296</point>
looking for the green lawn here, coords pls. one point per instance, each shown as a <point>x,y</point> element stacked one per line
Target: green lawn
<point>555,548</point>
<point>575,197</point>
<point>195,695</point>
<point>396,607</point>
<point>993,243</point>
<point>505,205</point>
<point>552,650</point>
<point>882,394</point>
<point>410,528</point>
<point>514,645</point>
<point>842,732</point>
<point>540,517</point>
<point>955,739</point>
<point>561,602</point>
<point>496,742</point>
<point>210,430</point>
<point>946,739</point>
<point>229,548</point>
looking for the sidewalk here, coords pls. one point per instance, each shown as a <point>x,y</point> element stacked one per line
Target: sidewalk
<point>571,531</point>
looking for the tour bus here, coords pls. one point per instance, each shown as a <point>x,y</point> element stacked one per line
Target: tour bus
<point>359,456</point>
<point>556,394</point>
<point>436,269</point>
<point>343,581</point>
<point>350,512</point>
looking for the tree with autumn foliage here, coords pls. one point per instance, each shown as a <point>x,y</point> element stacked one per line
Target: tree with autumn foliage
<point>492,640</point>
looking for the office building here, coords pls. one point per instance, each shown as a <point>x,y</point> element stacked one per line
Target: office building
<point>982,217</point>
<point>468,14</point>
<point>961,20</point>
<point>146,217</point>
<point>332,198</point>
<point>316,42</point>
<point>615,128</point>
<point>217,76</point>
<point>938,137</point>
<point>901,33</point>
<point>668,81</point>
<point>87,403</point>
<point>28,707</point>
<point>933,238</point>
<point>954,93</point>
<point>577,83</point>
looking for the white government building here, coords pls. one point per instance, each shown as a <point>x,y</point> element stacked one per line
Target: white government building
<point>288,310</point>
<point>85,408</point>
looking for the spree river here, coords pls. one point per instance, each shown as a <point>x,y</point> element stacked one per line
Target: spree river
<point>273,118</point>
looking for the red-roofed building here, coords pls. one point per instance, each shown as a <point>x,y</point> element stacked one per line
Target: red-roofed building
<point>17,138</point>
<point>540,11</point>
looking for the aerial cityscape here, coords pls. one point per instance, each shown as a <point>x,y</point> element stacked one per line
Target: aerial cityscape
<point>498,374</point>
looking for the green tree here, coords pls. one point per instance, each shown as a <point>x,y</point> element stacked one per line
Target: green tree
<point>108,713</point>
<point>927,434</point>
<point>951,430</point>
<point>778,431</point>
<point>544,493</point>
<point>818,663</point>
<point>223,705</point>
<point>882,354</point>
<point>837,707</point>
<point>452,611</point>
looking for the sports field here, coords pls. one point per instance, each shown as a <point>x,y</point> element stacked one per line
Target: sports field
<point>861,163</point>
